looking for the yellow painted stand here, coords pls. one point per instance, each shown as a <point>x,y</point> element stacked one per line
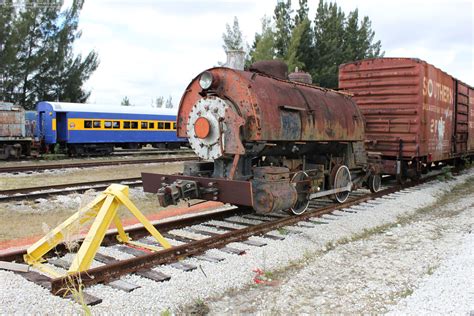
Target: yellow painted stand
<point>103,210</point>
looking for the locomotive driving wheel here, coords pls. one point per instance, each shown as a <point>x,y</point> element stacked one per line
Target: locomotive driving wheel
<point>375,182</point>
<point>301,182</point>
<point>340,178</point>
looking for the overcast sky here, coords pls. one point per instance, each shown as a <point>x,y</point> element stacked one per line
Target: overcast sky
<point>151,48</point>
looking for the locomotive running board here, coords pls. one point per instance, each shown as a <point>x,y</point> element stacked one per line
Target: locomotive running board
<point>229,191</point>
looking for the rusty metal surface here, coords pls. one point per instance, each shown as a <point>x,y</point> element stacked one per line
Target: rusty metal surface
<point>403,99</point>
<point>230,191</point>
<point>263,102</point>
<point>461,118</point>
<point>300,76</point>
<point>471,120</point>
<point>274,68</point>
<point>12,122</point>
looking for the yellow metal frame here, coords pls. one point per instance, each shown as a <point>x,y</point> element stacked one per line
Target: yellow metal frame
<point>103,210</point>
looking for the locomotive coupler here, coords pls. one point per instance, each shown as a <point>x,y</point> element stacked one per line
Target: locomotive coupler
<point>171,194</point>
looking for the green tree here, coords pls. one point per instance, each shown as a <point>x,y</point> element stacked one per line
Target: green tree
<point>300,48</point>
<point>39,63</point>
<point>302,12</point>
<point>7,49</point>
<point>233,37</point>
<point>169,103</point>
<point>125,101</point>
<point>283,26</point>
<point>329,40</point>
<point>264,44</point>
<point>159,102</point>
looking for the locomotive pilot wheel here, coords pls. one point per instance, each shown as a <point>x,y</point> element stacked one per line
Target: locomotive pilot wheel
<point>340,178</point>
<point>301,183</point>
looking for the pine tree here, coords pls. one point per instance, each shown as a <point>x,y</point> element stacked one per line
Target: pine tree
<point>233,37</point>
<point>125,101</point>
<point>39,63</point>
<point>300,51</point>
<point>302,12</point>
<point>169,103</point>
<point>7,50</point>
<point>294,55</point>
<point>159,102</point>
<point>329,39</point>
<point>283,25</point>
<point>264,43</point>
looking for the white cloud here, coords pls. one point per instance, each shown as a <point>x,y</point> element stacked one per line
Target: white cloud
<point>151,48</point>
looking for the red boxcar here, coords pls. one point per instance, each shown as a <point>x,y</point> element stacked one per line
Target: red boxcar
<point>415,113</point>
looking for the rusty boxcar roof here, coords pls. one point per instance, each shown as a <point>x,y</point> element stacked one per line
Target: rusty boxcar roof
<point>402,59</point>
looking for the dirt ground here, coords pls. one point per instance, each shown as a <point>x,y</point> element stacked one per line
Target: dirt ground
<point>35,217</point>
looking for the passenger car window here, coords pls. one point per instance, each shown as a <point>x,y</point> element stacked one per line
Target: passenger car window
<point>174,125</point>
<point>96,124</point>
<point>144,125</point>
<point>151,125</point>
<point>134,125</point>
<point>161,125</point>
<point>167,125</point>
<point>126,124</point>
<point>87,124</point>
<point>116,124</point>
<point>108,124</point>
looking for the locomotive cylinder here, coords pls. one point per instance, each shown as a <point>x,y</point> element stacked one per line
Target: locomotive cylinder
<point>272,190</point>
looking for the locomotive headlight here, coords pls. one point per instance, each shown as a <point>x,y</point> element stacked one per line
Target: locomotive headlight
<point>206,80</point>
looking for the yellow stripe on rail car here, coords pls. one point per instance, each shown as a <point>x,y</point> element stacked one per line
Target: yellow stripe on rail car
<point>88,124</point>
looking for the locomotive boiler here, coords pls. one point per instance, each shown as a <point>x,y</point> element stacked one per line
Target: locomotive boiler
<point>267,142</point>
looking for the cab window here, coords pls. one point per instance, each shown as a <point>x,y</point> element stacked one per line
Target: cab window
<point>96,124</point>
<point>126,124</point>
<point>87,124</point>
<point>108,124</point>
<point>161,125</point>
<point>116,124</point>
<point>144,125</point>
<point>167,125</point>
<point>134,125</point>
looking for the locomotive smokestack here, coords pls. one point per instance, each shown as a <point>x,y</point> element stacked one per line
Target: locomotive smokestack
<point>235,59</point>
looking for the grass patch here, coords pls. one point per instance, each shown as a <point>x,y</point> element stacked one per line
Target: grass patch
<point>166,312</point>
<point>198,308</point>
<point>282,231</point>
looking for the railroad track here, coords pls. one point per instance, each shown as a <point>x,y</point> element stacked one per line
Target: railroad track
<point>89,164</point>
<point>140,152</point>
<point>216,230</point>
<point>60,189</point>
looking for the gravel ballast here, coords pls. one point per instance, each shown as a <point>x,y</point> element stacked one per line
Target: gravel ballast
<point>368,274</point>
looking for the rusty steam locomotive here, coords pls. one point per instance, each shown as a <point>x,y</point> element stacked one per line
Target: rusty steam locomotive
<point>267,142</point>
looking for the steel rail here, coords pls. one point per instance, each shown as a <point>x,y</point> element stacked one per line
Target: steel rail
<point>136,232</point>
<point>42,167</point>
<point>115,270</point>
<point>48,190</point>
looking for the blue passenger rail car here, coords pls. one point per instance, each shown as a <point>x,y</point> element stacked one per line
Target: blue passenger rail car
<point>84,129</point>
